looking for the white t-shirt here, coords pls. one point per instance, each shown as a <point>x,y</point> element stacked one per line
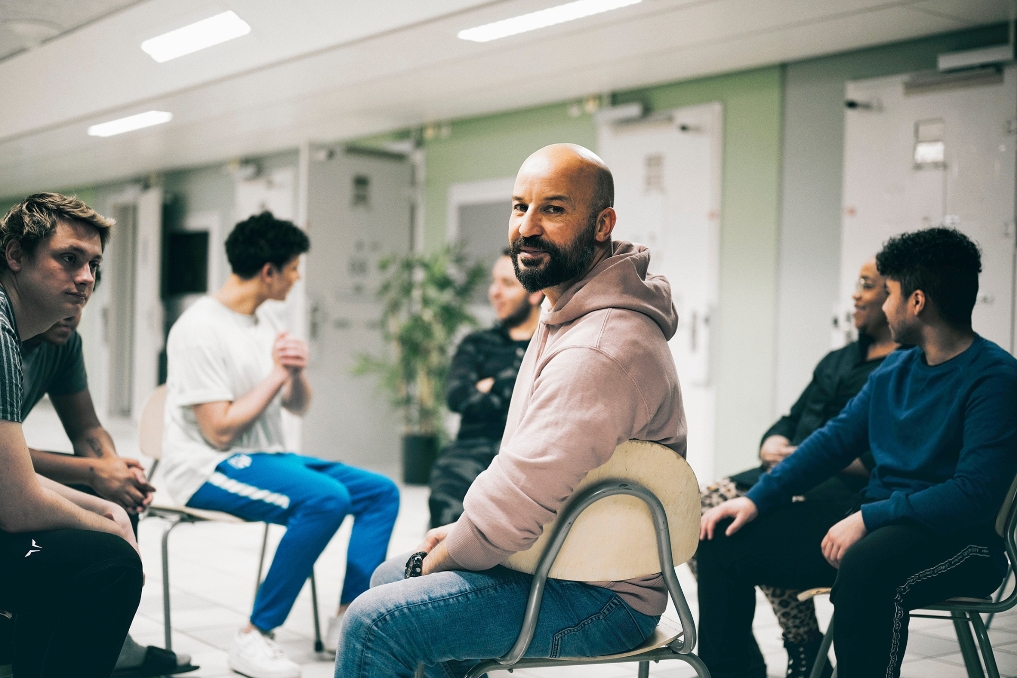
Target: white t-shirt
<point>214,354</point>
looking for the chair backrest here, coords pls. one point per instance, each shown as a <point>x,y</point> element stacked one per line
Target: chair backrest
<point>151,424</point>
<point>1003,518</point>
<point>614,539</point>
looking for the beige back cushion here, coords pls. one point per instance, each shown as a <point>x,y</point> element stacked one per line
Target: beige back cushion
<point>151,424</point>
<point>614,539</point>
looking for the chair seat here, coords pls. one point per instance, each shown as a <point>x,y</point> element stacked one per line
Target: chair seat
<point>960,600</point>
<point>812,593</point>
<point>194,514</point>
<point>667,631</point>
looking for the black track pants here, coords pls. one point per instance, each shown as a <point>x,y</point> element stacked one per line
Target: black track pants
<point>73,594</point>
<point>897,569</point>
<point>891,571</point>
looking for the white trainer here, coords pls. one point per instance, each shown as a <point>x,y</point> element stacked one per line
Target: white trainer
<point>332,635</point>
<point>258,656</point>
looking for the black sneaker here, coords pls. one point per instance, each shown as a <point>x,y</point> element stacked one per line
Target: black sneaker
<point>801,657</point>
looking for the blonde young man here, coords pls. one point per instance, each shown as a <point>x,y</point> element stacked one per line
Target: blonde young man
<point>71,573</point>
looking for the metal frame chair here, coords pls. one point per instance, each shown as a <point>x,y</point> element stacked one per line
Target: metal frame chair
<point>965,613</point>
<point>150,427</point>
<point>652,499</point>
<point>667,642</point>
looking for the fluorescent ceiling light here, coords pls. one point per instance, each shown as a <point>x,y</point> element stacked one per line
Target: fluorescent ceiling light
<point>542,19</point>
<point>130,123</point>
<point>205,33</point>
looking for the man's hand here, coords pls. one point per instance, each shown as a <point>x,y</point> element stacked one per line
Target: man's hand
<point>484,385</point>
<point>119,516</point>
<point>121,481</point>
<point>438,559</point>
<point>775,449</point>
<point>742,509</point>
<point>843,536</point>
<point>290,352</point>
<point>433,538</point>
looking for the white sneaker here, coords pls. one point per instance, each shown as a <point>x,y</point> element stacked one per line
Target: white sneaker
<point>258,656</point>
<point>332,635</point>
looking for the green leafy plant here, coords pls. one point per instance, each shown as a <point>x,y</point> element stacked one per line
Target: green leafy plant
<point>424,305</point>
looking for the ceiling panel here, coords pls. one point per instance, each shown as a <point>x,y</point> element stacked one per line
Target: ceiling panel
<point>420,73</point>
<point>975,12</point>
<point>27,24</point>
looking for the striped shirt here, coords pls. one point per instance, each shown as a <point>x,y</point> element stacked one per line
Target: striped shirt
<point>11,378</point>
<point>54,369</point>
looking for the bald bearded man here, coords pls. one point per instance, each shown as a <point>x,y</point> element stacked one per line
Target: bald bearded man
<point>597,372</point>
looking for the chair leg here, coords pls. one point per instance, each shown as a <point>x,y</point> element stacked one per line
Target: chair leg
<point>419,673</point>
<point>984,644</point>
<point>999,596</point>
<point>318,645</point>
<point>261,561</point>
<point>698,664</point>
<point>967,645</point>
<point>823,655</point>
<point>644,670</point>
<point>166,586</point>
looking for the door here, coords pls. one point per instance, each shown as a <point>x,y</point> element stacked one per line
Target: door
<point>148,306</point>
<point>478,218</point>
<point>667,173</point>
<point>916,157</point>
<point>133,317</point>
<point>358,212</point>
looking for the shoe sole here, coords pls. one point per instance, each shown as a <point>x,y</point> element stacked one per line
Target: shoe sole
<point>243,672</point>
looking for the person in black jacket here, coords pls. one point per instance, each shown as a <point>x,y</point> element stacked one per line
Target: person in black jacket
<point>838,377</point>
<point>480,382</point>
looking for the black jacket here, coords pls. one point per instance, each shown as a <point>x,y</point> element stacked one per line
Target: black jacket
<point>483,354</point>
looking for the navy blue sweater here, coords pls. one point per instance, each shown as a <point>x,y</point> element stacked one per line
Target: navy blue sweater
<point>943,438</point>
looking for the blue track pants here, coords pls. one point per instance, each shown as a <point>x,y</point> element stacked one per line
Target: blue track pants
<point>311,497</point>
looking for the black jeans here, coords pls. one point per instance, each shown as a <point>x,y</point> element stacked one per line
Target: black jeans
<point>452,474</point>
<point>73,594</point>
<point>891,571</point>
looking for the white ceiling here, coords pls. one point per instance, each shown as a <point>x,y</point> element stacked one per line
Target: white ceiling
<point>325,70</point>
<point>24,25</point>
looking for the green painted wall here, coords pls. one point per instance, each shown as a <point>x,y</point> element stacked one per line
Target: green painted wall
<point>85,194</point>
<point>492,147</point>
<point>745,319</point>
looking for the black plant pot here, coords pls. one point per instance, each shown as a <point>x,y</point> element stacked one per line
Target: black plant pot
<point>419,453</point>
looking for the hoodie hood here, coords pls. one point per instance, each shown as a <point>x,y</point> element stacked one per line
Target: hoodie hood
<point>620,281</point>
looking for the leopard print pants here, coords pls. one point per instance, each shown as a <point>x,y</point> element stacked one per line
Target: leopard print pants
<point>797,619</point>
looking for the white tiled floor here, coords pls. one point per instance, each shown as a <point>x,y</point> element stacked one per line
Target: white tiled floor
<point>213,569</point>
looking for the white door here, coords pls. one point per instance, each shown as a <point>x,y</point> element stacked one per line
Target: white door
<point>918,159</point>
<point>133,311</point>
<point>667,173</point>
<point>358,212</point>
<point>148,306</point>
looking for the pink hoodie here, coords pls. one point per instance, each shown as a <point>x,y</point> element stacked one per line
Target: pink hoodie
<point>597,372</point>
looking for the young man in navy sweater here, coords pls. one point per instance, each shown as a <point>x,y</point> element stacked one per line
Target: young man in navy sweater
<point>939,419</point>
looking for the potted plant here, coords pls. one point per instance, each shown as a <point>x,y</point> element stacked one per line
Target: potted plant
<point>424,305</point>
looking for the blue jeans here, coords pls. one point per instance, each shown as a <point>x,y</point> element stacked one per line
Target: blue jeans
<point>449,620</point>
<point>311,497</point>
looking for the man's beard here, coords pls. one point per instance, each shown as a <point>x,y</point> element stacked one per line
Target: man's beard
<point>904,332</point>
<point>519,314</point>
<point>563,263</point>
